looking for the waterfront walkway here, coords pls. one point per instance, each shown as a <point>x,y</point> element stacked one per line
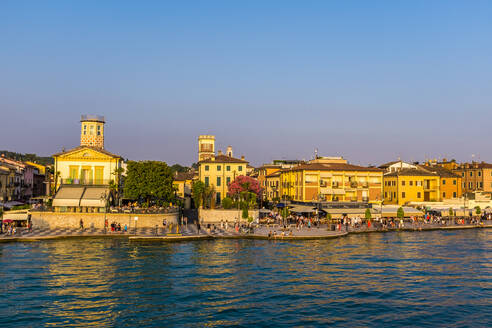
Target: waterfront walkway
<point>262,232</point>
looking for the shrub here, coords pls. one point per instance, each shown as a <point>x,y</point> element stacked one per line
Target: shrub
<point>478,210</point>
<point>227,203</point>
<point>400,213</point>
<point>368,214</point>
<point>245,212</point>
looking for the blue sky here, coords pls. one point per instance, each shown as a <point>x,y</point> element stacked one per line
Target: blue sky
<point>368,80</point>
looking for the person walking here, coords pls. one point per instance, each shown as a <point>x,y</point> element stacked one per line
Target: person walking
<point>81,224</point>
<point>198,226</point>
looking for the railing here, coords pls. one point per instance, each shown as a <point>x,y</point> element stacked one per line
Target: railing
<point>119,210</point>
<point>92,118</point>
<point>365,185</point>
<point>365,199</point>
<point>85,182</point>
<point>335,185</point>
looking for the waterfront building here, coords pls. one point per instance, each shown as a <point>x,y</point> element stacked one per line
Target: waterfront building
<point>83,174</point>
<point>476,177</point>
<point>331,180</point>
<point>272,186</point>
<point>449,182</point>
<point>217,171</point>
<point>411,185</point>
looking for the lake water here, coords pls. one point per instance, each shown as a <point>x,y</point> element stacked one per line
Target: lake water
<point>434,279</point>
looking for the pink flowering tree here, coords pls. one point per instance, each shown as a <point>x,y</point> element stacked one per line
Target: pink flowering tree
<point>245,189</point>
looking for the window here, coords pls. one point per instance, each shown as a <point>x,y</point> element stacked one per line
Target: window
<point>470,185</point>
<point>394,194</point>
<point>443,195</point>
<point>217,200</point>
<point>91,129</point>
<point>481,184</point>
<point>479,173</point>
<point>228,180</point>
<point>98,130</point>
<point>471,173</point>
<point>418,194</point>
<point>206,167</point>
<point>206,181</point>
<point>411,183</point>
<point>454,194</point>
<point>218,181</point>
<point>228,168</point>
<point>443,182</point>
<point>219,167</point>
<point>385,195</point>
<point>403,195</point>
<point>240,168</point>
<point>403,183</point>
<point>454,182</point>
<point>85,129</point>
<point>463,174</point>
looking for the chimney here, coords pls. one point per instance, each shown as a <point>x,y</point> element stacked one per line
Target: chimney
<point>242,157</point>
<point>219,153</point>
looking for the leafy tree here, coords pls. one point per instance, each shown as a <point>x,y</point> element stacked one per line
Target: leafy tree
<point>243,184</point>
<point>149,181</point>
<point>400,213</point>
<point>179,168</point>
<point>245,212</point>
<point>451,212</point>
<point>227,203</point>
<point>328,216</point>
<point>368,214</point>
<point>478,210</point>
<point>198,190</point>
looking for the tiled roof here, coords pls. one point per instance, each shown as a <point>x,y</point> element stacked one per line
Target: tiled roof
<point>386,165</point>
<point>335,167</point>
<point>441,171</point>
<point>100,150</point>
<point>183,176</point>
<point>274,174</point>
<point>223,159</point>
<point>411,172</point>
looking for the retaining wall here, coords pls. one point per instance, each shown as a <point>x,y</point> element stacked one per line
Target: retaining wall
<point>55,220</point>
<point>218,215</point>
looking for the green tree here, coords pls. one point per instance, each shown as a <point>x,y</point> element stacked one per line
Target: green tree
<point>328,216</point>
<point>451,212</point>
<point>478,210</point>
<point>149,181</point>
<point>400,213</point>
<point>198,190</point>
<point>368,214</point>
<point>227,203</point>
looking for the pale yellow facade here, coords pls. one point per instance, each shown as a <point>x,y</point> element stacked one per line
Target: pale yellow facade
<point>86,166</point>
<point>217,172</point>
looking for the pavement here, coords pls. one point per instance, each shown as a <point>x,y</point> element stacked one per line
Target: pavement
<point>191,232</point>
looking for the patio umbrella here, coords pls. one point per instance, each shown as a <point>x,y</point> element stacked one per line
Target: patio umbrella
<point>7,221</point>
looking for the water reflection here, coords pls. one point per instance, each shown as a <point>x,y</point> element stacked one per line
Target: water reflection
<point>417,279</point>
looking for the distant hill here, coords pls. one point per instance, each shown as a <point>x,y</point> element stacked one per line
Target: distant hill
<point>27,157</point>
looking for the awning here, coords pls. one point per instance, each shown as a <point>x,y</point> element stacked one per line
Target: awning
<point>15,216</point>
<point>68,196</point>
<point>280,205</point>
<point>302,209</point>
<point>94,197</point>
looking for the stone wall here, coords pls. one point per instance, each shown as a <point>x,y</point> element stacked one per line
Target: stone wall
<point>55,220</point>
<point>225,215</point>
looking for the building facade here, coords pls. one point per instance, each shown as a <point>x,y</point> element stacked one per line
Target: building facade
<point>411,185</point>
<point>475,177</point>
<point>331,182</point>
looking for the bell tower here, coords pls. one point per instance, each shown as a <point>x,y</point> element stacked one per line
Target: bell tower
<point>92,131</point>
<point>206,147</point>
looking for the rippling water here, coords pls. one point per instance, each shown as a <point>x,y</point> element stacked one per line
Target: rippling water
<point>422,279</point>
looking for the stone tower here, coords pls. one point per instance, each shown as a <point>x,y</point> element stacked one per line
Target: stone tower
<point>92,131</point>
<point>206,147</point>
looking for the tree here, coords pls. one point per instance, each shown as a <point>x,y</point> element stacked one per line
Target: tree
<point>368,214</point>
<point>478,210</point>
<point>451,212</point>
<point>400,213</point>
<point>227,203</point>
<point>198,190</point>
<point>149,181</point>
<point>328,216</point>
<point>179,168</point>
<point>245,189</point>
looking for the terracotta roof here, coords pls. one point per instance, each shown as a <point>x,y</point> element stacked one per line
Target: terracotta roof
<point>441,171</point>
<point>223,159</point>
<point>411,172</point>
<point>334,167</point>
<point>183,176</point>
<point>481,165</point>
<point>103,151</point>
<point>386,165</point>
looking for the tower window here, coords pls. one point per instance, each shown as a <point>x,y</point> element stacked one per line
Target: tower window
<point>98,130</point>
<point>91,129</point>
<point>85,129</point>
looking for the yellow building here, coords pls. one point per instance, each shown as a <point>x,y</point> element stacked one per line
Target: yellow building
<point>183,182</point>
<point>333,181</point>
<point>86,166</point>
<point>411,185</point>
<point>272,186</point>
<point>264,171</point>
<point>218,171</point>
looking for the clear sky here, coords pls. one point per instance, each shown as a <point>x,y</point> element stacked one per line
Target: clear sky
<point>369,80</point>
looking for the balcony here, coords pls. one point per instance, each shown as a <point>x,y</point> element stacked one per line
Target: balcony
<point>365,184</point>
<point>335,185</point>
<point>353,184</point>
<point>85,182</point>
<point>365,199</point>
